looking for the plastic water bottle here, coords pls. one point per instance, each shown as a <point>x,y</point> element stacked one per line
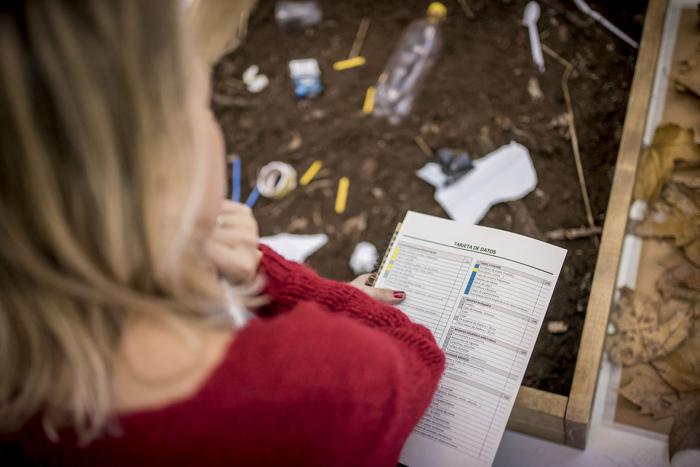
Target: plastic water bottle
<point>409,64</point>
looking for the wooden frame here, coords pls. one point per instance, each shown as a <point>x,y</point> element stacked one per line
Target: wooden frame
<point>557,418</point>
<point>566,419</point>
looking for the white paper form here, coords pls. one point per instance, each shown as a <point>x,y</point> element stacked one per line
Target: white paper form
<point>483,293</point>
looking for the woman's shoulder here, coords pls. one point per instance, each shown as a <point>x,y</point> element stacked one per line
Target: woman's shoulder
<point>309,348</point>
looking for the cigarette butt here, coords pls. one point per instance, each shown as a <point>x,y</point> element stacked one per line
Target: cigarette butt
<point>348,63</point>
<point>341,199</point>
<point>310,173</point>
<point>368,105</point>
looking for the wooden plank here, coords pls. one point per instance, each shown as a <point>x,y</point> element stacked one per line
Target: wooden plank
<point>539,413</point>
<point>580,401</point>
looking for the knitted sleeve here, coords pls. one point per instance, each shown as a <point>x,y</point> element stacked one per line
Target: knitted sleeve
<point>289,283</point>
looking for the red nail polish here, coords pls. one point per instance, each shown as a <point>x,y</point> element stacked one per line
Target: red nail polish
<point>399,295</point>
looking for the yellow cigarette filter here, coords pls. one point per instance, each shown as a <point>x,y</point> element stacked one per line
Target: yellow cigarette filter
<point>310,173</point>
<point>368,105</point>
<point>341,199</point>
<point>348,63</point>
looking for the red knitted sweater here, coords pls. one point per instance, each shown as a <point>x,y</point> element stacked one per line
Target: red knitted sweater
<point>328,376</point>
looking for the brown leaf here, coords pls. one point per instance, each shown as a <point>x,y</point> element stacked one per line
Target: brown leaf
<point>681,282</point>
<point>692,251</point>
<point>685,433</point>
<point>682,229</point>
<point>681,368</point>
<point>655,397</point>
<point>688,77</point>
<point>640,336</point>
<point>645,388</point>
<point>671,143</point>
<point>689,177</point>
<point>683,198</point>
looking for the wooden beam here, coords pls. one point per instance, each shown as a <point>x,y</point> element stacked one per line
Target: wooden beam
<point>539,413</point>
<point>580,402</point>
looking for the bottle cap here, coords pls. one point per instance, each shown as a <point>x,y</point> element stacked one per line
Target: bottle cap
<point>437,10</point>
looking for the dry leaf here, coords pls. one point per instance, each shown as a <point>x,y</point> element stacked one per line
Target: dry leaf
<point>689,177</point>
<point>685,433</point>
<point>688,78</point>
<point>692,251</point>
<point>683,198</point>
<point>675,215</point>
<point>682,229</point>
<point>640,336</point>
<point>655,397</point>
<point>681,369</point>
<point>671,143</point>
<point>681,282</point>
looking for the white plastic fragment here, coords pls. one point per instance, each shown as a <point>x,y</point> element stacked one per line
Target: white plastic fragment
<point>258,84</point>
<point>363,258</point>
<point>530,18</point>
<point>504,175</point>
<point>295,247</point>
<point>254,81</point>
<point>583,6</point>
<point>250,73</point>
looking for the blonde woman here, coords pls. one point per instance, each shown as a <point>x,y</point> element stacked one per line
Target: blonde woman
<point>119,345</point>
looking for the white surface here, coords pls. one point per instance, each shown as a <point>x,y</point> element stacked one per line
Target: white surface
<point>483,293</point>
<point>295,247</point>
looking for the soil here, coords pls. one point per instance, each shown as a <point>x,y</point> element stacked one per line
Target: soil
<point>476,99</point>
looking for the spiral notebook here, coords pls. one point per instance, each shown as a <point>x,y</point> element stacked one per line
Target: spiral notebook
<point>483,293</point>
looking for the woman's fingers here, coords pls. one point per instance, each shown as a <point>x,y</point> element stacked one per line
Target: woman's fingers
<point>238,263</point>
<point>228,206</point>
<point>391,297</point>
<point>236,236</point>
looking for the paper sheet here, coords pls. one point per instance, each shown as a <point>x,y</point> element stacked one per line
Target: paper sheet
<point>295,247</point>
<point>506,174</point>
<point>483,293</point>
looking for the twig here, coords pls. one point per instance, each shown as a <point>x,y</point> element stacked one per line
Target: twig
<point>468,12</point>
<point>359,38</point>
<point>564,62</point>
<point>573,234</point>
<point>574,144</point>
<point>423,146</point>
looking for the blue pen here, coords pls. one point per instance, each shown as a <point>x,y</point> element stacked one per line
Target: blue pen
<point>236,179</point>
<point>252,197</point>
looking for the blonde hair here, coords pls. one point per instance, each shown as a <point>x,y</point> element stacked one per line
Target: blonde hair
<point>100,184</point>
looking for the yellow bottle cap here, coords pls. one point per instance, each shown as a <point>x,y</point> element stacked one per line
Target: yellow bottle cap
<point>437,10</point>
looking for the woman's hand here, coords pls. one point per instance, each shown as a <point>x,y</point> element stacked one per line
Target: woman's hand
<point>233,246</point>
<point>388,296</point>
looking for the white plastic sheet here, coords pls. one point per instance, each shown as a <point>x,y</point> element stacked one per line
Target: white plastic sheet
<point>504,175</point>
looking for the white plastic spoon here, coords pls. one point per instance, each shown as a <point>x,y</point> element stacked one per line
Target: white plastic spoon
<point>530,17</point>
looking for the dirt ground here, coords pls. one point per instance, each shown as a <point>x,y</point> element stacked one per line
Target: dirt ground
<point>476,99</point>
